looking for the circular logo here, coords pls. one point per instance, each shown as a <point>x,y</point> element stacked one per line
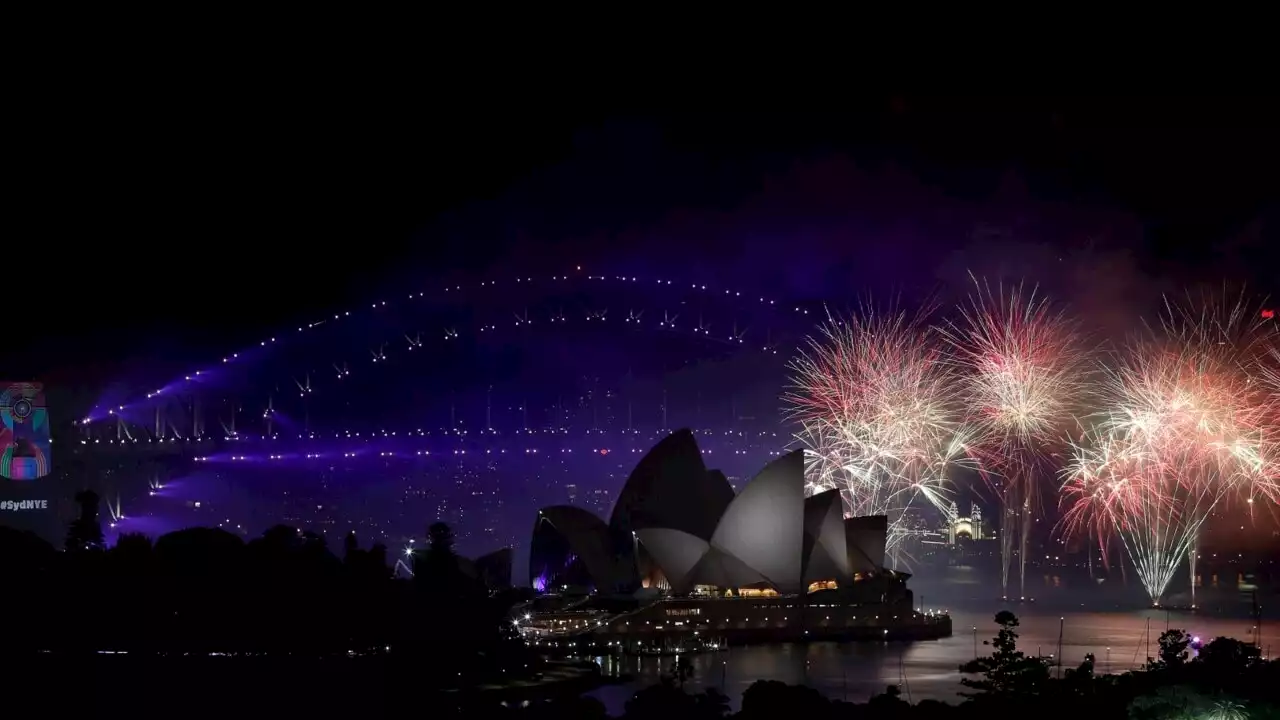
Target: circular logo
<point>21,408</point>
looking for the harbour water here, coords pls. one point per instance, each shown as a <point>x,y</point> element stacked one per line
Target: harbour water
<point>1113,623</point>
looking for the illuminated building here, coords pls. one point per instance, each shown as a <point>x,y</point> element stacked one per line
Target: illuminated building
<point>682,554</point>
<point>679,528</point>
<point>964,526</point>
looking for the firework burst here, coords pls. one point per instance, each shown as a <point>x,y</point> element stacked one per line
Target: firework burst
<point>1022,361</point>
<point>1270,370</point>
<point>1188,424</point>
<point>877,408</point>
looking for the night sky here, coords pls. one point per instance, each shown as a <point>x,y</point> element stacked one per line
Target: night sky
<point>182,225</point>
<point>173,228</point>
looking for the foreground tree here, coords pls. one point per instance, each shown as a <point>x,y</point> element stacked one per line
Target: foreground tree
<point>681,670</point>
<point>1007,673</point>
<point>1180,702</point>
<point>770,699</point>
<point>85,532</point>
<point>1229,656</point>
<point>668,700</point>
<point>436,569</point>
<point>1173,650</point>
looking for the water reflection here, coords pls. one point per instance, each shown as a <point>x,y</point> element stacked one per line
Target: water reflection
<point>1097,619</point>
<point>1119,641</point>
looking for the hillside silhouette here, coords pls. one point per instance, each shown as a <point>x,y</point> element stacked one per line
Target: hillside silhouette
<point>200,623</point>
<point>201,595</point>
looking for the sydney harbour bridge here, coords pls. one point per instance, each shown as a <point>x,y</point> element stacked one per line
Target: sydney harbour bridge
<point>472,403</point>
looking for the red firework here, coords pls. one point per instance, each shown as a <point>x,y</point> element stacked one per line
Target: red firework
<point>1188,423</point>
<point>1023,365</point>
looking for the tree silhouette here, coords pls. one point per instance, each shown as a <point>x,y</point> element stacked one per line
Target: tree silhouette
<point>440,538</point>
<point>134,544</point>
<point>888,704</point>
<point>1007,672</point>
<point>376,561</point>
<point>1228,656</point>
<point>438,570</point>
<point>1173,649</point>
<point>85,532</point>
<point>132,555</point>
<point>768,699</point>
<point>666,701</point>
<point>350,548</point>
<point>1080,681</point>
<point>681,671</point>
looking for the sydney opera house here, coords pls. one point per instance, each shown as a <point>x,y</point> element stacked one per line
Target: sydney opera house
<point>765,563</point>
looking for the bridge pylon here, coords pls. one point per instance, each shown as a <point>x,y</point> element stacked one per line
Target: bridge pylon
<point>270,415</point>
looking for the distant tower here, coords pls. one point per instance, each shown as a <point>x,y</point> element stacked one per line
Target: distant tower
<point>977,522</point>
<point>952,515</point>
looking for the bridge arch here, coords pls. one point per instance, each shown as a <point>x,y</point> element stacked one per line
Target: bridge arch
<point>291,379</point>
<point>162,468</point>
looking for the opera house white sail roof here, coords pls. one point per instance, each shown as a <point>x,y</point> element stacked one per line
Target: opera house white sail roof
<point>684,519</point>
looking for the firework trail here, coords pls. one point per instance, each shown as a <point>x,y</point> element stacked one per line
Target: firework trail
<point>877,408</point>
<point>1188,424</point>
<point>1022,361</point>
<point>1270,370</point>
